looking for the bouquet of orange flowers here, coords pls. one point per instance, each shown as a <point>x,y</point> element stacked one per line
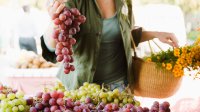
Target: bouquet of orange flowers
<point>177,59</point>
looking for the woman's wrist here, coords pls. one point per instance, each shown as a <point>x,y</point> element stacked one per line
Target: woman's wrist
<point>49,41</point>
<point>148,35</point>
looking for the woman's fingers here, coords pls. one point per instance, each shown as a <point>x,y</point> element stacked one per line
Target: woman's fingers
<point>60,8</point>
<point>174,40</point>
<point>171,40</point>
<point>55,6</point>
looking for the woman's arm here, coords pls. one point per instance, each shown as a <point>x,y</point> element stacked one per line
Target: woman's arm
<point>54,7</point>
<point>165,37</point>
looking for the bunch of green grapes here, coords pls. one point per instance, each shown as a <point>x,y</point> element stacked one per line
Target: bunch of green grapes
<point>57,87</point>
<point>13,102</point>
<point>96,94</point>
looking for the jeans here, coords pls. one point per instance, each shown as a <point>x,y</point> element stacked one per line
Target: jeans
<point>119,84</point>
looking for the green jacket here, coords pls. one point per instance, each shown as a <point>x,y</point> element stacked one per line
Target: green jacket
<point>86,49</point>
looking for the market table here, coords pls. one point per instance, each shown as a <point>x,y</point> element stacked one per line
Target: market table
<point>29,81</point>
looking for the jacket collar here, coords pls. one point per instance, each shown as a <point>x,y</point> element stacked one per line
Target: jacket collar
<point>118,4</point>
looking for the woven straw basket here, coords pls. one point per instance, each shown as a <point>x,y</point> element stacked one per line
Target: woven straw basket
<point>149,80</point>
<point>154,82</point>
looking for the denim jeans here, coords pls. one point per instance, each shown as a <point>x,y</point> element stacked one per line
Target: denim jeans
<point>119,84</point>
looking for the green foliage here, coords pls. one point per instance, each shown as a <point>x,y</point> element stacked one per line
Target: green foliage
<point>193,35</point>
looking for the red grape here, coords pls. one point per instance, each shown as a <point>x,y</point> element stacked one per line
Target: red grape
<point>68,21</point>
<point>56,33</point>
<point>59,58</point>
<point>77,28</point>
<point>45,103</point>
<point>54,108</point>
<point>63,26</point>
<point>46,96</point>
<point>62,17</point>
<point>33,109</point>
<point>72,31</point>
<point>47,109</point>
<point>75,11</point>
<point>54,16</point>
<point>62,38</point>
<point>60,95</point>
<point>65,51</point>
<point>81,18</point>
<point>59,45</point>
<point>52,101</point>
<point>72,67</point>
<point>72,41</point>
<point>58,52</point>
<point>67,71</point>
<point>66,65</point>
<point>54,94</point>
<point>39,106</point>
<point>57,21</point>
<point>67,13</point>
<point>60,101</point>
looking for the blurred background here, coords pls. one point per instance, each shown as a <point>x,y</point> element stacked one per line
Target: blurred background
<point>29,18</point>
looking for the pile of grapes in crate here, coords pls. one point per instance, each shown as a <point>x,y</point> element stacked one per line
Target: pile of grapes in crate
<point>88,98</point>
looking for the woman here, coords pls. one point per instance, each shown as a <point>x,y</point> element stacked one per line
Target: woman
<point>103,49</point>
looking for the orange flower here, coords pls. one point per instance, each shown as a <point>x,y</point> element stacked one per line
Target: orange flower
<point>148,60</point>
<point>177,52</point>
<point>163,64</point>
<point>169,66</point>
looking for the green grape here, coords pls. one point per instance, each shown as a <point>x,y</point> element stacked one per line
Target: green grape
<point>2,96</point>
<point>120,98</point>
<point>4,104</point>
<point>110,94</point>
<point>109,98</point>
<point>121,105</point>
<point>16,102</point>
<point>125,101</point>
<point>60,90</point>
<point>15,109</point>
<point>23,102</point>
<point>66,93</point>
<point>102,95</point>
<point>11,96</point>
<point>137,103</point>
<point>86,84</point>
<point>130,100</point>
<point>20,94</point>
<point>21,108</point>
<point>116,101</point>
<point>104,100</point>
<point>9,109</point>
<point>11,103</point>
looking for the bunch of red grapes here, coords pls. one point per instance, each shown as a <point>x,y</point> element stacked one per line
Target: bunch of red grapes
<point>47,102</point>
<point>68,22</point>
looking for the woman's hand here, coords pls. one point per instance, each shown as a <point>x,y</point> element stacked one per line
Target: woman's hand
<point>56,6</point>
<point>168,38</point>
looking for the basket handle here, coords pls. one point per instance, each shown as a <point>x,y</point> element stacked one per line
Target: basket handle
<point>134,47</point>
<point>151,49</point>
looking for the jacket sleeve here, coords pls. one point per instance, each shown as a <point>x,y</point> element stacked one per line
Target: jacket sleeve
<point>136,34</point>
<point>46,53</point>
